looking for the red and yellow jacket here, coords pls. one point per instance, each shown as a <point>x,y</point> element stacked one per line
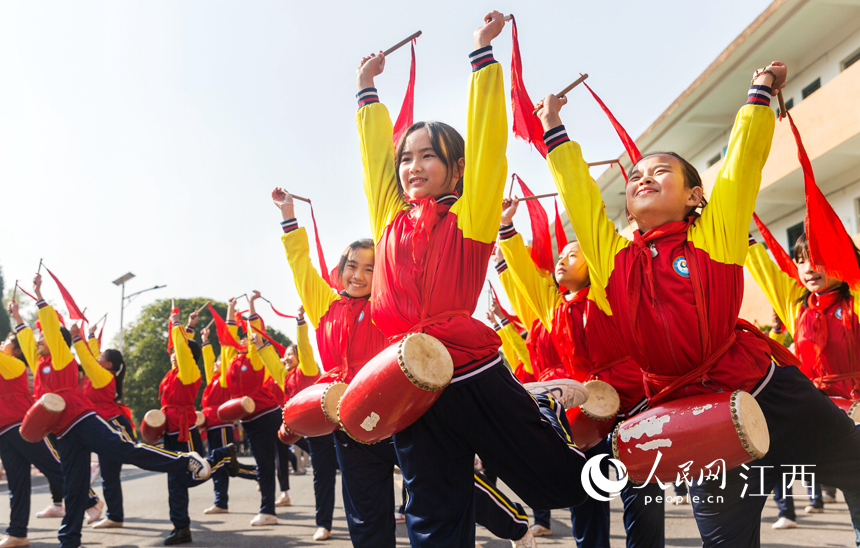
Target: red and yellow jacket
<point>100,384</point>
<point>825,328</point>
<point>57,372</point>
<point>215,392</point>
<point>15,398</point>
<point>307,371</point>
<point>432,254</point>
<point>347,336</point>
<point>513,345</point>
<point>246,375</point>
<point>676,291</point>
<point>179,387</point>
<point>588,342</point>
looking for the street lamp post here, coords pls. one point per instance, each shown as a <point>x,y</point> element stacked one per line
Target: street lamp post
<point>121,282</point>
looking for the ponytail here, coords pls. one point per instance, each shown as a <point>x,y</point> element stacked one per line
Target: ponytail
<point>119,368</point>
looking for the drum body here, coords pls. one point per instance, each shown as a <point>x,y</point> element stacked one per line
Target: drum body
<point>286,436</point>
<point>236,409</point>
<point>851,407</point>
<point>395,388</point>
<point>42,417</point>
<point>593,420</point>
<point>153,426</point>
<point>313,411</point>
<point>704,429</point>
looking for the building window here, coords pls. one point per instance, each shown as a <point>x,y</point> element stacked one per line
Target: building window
<point>810,89</point>
<point>794,233</point>
<point>789,104</point>
<point>715,159</point>
<point>853,58</point>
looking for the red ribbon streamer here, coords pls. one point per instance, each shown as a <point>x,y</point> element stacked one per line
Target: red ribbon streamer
<point>541,251</point>
<point>225,338</point>
<point>25,293</point>
<point>628,143</point>
<point>526,125</point>
<point>560,236</point>
<point>280,348</point>
<point>404,119</point>
<point>74,312</point>
<point>323,268</point>
<point>783,260</point>
<point>518,323</point>
<point>830,246</point>
<point>281,314</point>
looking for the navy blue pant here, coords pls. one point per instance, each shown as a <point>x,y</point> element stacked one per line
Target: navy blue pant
<point>495,511</point>
<point>179,481</point>
<point>262,433</point>
<point>93,434</point>
<point>523,439</point>
<point>111,470</point>
<point>324,462</point>
<point>283,463</point>
<point>222,436</point>
<point>17,456</point>
<point>805,428</point>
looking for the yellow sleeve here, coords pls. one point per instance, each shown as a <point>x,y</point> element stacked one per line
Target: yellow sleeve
<point>512,339</point>
<point>315,293</point>
<point>722,230</point>
<point>375,134</point>
<point>99,376</point>
<point>778,337</point>
<point>61,355</point>
<point>539,292</point>
<point>781,290</point>
<point>254,356</point>
<point>93,344</point>
<point>208,362</point>
<point>28,346</point>
<point>228,353</point>
<point>189,372</point>
<point>11,367</point>
<point>518,303</point>
<point>479,210</point>
<point>307,364</point>
<point>273,364</point>
<point>595,233</point>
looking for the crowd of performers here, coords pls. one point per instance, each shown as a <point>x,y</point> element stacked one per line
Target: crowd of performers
<point>648,324</point>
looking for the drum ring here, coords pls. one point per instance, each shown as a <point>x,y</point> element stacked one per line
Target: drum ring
<point>852,409</point>
<point>615,441</point>
<point>322,405</point>
<point>406,372</point>
<point>733,407</point>
<point>343,427</point>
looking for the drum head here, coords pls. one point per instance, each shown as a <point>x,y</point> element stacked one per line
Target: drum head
<point>154,418</point>
<point>331,399</point>
<point>248,405</point>
<point>201,419</point>
<point>603,401</point>
<point>53,403</point>
<point>426,362</point>
<point>750,424</point>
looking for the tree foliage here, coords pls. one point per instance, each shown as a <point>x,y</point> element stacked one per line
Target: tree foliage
<point>5,322</point>
<point>145,353</point>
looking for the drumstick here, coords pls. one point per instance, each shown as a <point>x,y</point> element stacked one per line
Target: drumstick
<point>40,267</point>
<point>100,319</point>
<point>511,189</point>
<point>783,112</point>
<point>564,92</point>
<point>401,43</point>
<point>508,17</point>
<point>199,310</point>
<point>208,325</point>
<point>603,163</point>
<point>15,291</point>
<point>299,198</point>
<point>172,305</point>
<point>539,196</point>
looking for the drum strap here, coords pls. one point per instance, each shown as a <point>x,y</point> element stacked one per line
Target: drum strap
<point>184,425</point>
<point>606,366</point>
<point>829,379</point>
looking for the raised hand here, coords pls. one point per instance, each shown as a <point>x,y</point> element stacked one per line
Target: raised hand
<point>12,308</point>
<point>369,68</point>
<point>284,201</point>
<point>92,329</point>
<point>548,110</point>
<point>204,334</point>
<point>174,318</point>
<point>255,295</point>
<point>75,331</point>
<point>774,75</point>
<point>497,255</point>
<point>509,209</point>
<point>494,22</point>
<point>192,319</point>
<point>37,286</point>
<point>301,313</point>
<point>256,340</point>
<point>490,316</point>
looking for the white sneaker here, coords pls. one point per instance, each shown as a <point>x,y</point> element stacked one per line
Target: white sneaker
<point>813,510</point>
<point>216,510</point>
<point>95,470</point>
<point>568,392</point>
<point>93,513</point>
<point>528,541</point>
<point>53,511</point>
<point>784,523</point>
<point>541,531</point>
<point>107,523</point>
<point>10,541</point>
<point>284,500</point>
<point>322,534</point>
<point>198,466</point>
<point>264,519</point>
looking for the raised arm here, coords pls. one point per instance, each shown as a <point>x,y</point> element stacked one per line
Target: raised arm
<point>781,290</point>
<point>24,334</point>
<point>98,375</point>
<point>375,136</point>
<point>208,355</point>
<point>519,304</point>
<point>307,364</point>
<point>61,354</point>
<point>93,342</point>
<point>189,372</point>
<point>486,167</point>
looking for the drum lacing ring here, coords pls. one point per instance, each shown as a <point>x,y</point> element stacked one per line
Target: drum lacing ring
<point>852,409</point>
<point>343,427</point>
<point>406,372</point>
<point>733,407</point>
<point>615,453</point>
<point>335,420</point>
<point>287,428</point>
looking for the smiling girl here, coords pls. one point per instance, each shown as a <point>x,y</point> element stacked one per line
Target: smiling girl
<point>435,202</point>
<point>675,291</point>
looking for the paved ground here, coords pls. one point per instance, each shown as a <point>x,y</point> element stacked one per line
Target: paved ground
<point>147,523</point>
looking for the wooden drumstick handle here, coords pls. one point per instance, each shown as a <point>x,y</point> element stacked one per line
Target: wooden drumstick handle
<point>566,90</point>
<point>783,112</point>
<point>199,310</point>
<point>511,188</point>
<point>15,291</point>
<point>208,325</point>
<point>299,198</point>
<point>508,17</point>
<point>539,196</point>
<point>401,43</point>
<point>603,163</point>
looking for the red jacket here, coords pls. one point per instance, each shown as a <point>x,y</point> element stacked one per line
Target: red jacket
<point>15,398</point>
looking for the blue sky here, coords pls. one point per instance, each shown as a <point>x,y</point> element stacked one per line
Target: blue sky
<point>146,137</point>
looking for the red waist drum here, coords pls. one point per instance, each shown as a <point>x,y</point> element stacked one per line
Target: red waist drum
<point>395,388</point>
<point>313,411</point>
<point>851,407</point>
<point>702,429</point>
<point>153,426</point>
<point>42,417</point>
<point>236,409</point>
<point>593,420</point>
<point>287,437</point>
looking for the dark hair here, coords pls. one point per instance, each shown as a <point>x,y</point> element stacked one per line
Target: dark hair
<point>196,351</point>
<point>446,141</point>
<point>692,179</point>
<point>12,339</point>
<point>119,367</point>
<point>364,243</point>
<point>66,336</point>
<point>800,253</point>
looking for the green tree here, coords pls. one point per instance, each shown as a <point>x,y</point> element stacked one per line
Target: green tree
<point>5,322</point>
<point>145,344</point>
